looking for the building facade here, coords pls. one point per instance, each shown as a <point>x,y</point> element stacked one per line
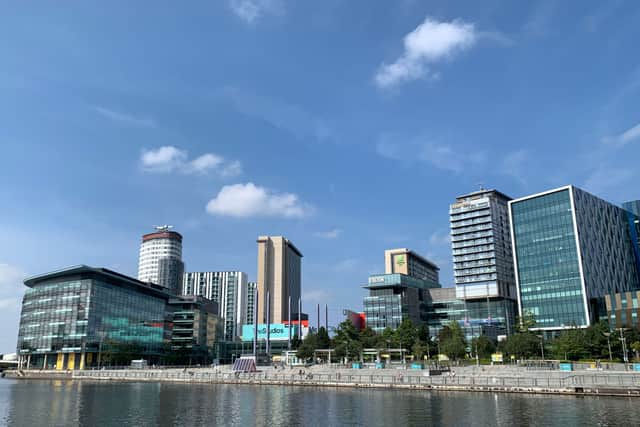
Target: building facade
<point>476,317</point>
<point>395,297</point>
<point>481,244</point>
<point>406,261</point>
<point>195,328</point>
<point>251,303</point>
<point>571,249</point>
<point>279,274</point>
<point>623,309</point>
<point>69,317</point>
<point>160,259</point>
<point>229,290</point>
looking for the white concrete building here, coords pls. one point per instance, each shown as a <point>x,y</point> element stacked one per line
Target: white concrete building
<point>160,260</point>
<point>229,289</point>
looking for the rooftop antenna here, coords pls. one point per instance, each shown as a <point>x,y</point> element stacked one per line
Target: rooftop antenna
<point>481,185</point>
<point>163,227</point>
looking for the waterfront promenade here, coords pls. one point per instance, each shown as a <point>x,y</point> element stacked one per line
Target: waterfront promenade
<point>509,379</point>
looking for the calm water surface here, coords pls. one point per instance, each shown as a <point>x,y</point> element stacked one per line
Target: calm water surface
<point>66,403</point>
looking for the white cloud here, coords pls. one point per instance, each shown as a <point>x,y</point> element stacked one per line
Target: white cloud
<point>171,159</point>
<point>251,10</point>
<point>430,42</point>
<point>331,234</point>
<point>624,138</point>
<point>125,118</point>
<point>250,200</point>
<point>163,159</point>
<point>205,162</point>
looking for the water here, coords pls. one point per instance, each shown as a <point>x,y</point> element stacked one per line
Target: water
<point>65,403</point>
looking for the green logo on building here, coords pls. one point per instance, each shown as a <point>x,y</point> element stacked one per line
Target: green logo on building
<point>400,259</point>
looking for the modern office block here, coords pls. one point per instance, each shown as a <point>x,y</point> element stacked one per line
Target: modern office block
<point>623,309</point>
<point>571,249</point>
<point>279,274</point>
<point>69,316</point>
<point>481,243</point>
<point>476,317</point>
<point>395,297</point>
<point>160,260</point>
<point>228,289</point>
<point>406,261</point>
<point>195,326</point>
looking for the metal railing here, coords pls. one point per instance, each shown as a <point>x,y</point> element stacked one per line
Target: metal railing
<point>373,380</point>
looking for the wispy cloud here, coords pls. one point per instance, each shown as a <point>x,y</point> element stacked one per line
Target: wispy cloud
<point>11,289</point>
<point>287,117</point>
<point>440,238</point>
<point>317,296</point>
<point>124,118</point>
<point>439,155</point>
<point>431,42</point>
<point>513,165</point>
<point>330,234</point>
<point>250,200</point>
<point>169,159</point>
<point>604,179</point>
<point>630,135</point>
<point>250,11</point>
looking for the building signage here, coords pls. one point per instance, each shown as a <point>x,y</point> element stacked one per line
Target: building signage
<point>278,332</point>
<point>376,279</point>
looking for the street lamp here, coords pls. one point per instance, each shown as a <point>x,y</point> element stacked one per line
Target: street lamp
<point>624,346</point>
<point>608,335</point>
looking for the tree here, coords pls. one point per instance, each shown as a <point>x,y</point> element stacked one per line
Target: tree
<point>324,342</point>
<point>389,338</point>
<point>347,341</point>
<point>484,346</point>
<point>526,321</point>
<point>595,340</point>
<point>521,345</point>
<point>635,346</point>
<point>452,341</point>
<point>369,338</point>
<point>570,345</point>
<point>406,334</point>
<point>308,347</point>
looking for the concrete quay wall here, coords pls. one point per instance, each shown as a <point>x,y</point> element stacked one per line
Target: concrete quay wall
<point>550,382</point>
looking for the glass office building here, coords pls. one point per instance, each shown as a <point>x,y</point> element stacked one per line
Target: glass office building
<point>571,249</point>
<point>394,298</point>
<point>69,316</point>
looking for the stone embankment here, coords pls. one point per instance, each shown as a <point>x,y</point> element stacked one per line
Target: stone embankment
<point>487,379</point>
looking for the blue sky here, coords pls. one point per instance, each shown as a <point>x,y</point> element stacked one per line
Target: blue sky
<point>347,126</point>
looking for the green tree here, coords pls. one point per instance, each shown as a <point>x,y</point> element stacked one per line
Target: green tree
<point>347,341</point>
<point>389,338</point>
<point>526,321</point>
<point>635,346</point>
<point>570,345</point>
<point>369,338</point>
<point>595,340</point>
<point>406,334</point>
<point>452,341</point>
<point>484,346</point>
<point>521,345</point>
<point>324,342</point>
<point>308,346</point>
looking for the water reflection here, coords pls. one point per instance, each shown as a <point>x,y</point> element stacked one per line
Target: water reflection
<point>62,403</point>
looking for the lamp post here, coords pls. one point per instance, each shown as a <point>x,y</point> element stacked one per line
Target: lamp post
<point>608,335</point>
<point>624,346</point>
